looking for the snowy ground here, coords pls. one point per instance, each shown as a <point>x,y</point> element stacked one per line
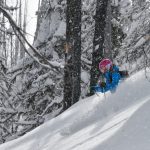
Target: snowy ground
<point>118,121</point>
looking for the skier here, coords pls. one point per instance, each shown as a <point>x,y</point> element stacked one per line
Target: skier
<point>110,77</point>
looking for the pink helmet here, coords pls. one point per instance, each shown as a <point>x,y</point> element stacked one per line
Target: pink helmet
<point>105,64</point>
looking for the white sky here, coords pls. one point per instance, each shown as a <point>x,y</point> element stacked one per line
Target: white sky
<point>31,19</point>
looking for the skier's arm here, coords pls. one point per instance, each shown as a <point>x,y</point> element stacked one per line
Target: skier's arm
<point>114,83</point>
<point>109,85</point>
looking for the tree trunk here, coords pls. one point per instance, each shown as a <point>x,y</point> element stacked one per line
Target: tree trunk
<point>98,43</point>
<point>108,32</point>
<point>72,70</point>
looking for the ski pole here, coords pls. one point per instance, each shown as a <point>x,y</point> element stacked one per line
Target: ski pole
<point>104,94</point>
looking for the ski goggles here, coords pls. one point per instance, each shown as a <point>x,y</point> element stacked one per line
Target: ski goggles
<point>103,69</point>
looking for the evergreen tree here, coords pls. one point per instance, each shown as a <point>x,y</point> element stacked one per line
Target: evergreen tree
<point>98,42</point>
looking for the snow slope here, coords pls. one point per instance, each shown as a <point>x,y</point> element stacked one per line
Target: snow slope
<point>118,121</point>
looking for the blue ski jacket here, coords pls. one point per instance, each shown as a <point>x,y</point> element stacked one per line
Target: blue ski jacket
<point>112,79</point>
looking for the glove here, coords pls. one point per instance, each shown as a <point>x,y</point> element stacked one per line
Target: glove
<point>102,84</point>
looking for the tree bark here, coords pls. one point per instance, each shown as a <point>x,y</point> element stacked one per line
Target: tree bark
<point>108,32</point>
<point>98,42</point>
<point>72,70</point>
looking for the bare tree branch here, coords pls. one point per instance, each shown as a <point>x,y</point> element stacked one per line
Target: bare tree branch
<point>19,34</point>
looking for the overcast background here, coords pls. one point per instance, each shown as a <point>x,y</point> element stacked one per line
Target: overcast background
<point>31,17</point>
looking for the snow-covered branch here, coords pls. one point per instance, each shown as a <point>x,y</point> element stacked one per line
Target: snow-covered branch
<point>11,8</point>
<point>142,41</point>
<point>20,35</point>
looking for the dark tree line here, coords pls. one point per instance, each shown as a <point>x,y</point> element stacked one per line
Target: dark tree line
<point>72,88</point>
<point>71,85</point>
